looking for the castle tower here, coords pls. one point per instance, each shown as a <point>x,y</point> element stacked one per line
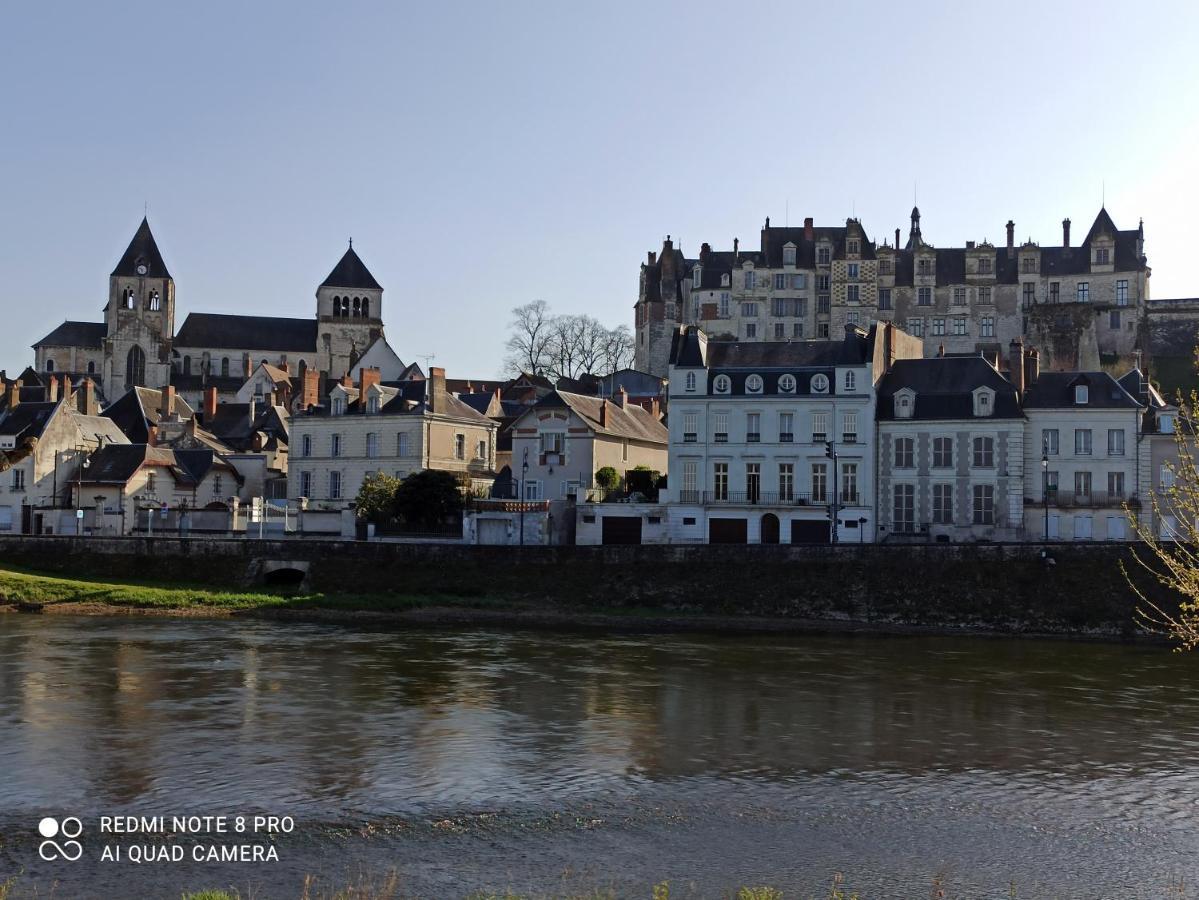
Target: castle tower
<point>349,312</point>
<point>139,318</point>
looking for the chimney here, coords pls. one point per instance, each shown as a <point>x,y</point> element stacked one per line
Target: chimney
<point>310,390</point>
<point>436,388</point>
<point>1032,367</point>
<point>655,408</point>
<point>809,232</point>
<point>1016,366</point>
<point>1065,232</point>
<point>86,396</point>
<point>152,436</point>
<point>14,394</point>
<point>896,238</point>
<point>347,380</point>
<point>651,257</point>
<point>52,390</point>
<point>736,247</point>
<point>285,366</point>
<point>622,397</point>
<point>603,414</point>
<point>209,406</point>
<point>67,389</point>
<point>969,245</point>
<point>705,250</point>
<point>1137,358</point>
<point>1011,236</point>
<point>167,394</point>
<point>366,378</point>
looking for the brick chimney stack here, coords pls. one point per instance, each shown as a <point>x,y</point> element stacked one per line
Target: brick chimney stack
<point>310,390</point>
<point>622,397</point>
<point>435,390</point>
<point>1011,236</point>
<point>1032,367</point>
<point>366,378</point>
<point>1065,232</point>
<point>1016,366</point>
<point>655,408</point>
<point>52,390</point>
<point>14,394</point>
<point>809,232</point>
<point>168,403</point>
<point>604,413</point>
<point>247,366</point>
<point>209,406</point>
<point>86,396</point>
<point>67,391</point>
<point>347,380</point>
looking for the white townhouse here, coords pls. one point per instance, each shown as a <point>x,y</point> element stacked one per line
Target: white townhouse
<point>771,440</point>
<point>1081,456</point>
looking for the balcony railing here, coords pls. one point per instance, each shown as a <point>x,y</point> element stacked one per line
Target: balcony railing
<point>1084,499</point>
<point>751,498</point>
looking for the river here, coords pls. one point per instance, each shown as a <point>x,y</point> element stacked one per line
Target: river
<point>554,763</point>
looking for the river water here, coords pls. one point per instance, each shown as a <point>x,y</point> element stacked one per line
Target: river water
<point>550,764</point>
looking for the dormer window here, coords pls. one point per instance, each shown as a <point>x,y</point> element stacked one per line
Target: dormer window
<point>822,256</point>
<point>372,405</point>
<point>724,280</point>
<point>697,277</point>
<point>1102,256</point>
<point>789,255</point>
<point>819,383</point>
<point>753,384</point>
<point>750,279</point>
<point>690,381</point>
<point>851,381</point>
<point>339,406</point>
<point>722,384</point>
<point>853,247</point>
<point>984,402</point>
<point>905,404</point>
<point>1082,395</point>
<point>786,384</point>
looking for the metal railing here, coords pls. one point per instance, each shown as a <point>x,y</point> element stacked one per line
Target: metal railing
<point>753,498</point>
<point>1084,499</point>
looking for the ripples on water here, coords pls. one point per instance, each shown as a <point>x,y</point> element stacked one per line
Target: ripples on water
<point>890,757</point>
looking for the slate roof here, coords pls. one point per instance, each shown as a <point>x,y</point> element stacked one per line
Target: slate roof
<point>686,351</point>
<point>76,334</point>
<point>27,420</point>
<point>143,249</point>
<point>1135,382</point>
<point>117,463</point>
<point>197,381</point>
<point>629,421</point>
<point>230,332</point>
<point>139,408</point>
<point>350,272</point>
<point>944,388</point>
<point>1055,390</point>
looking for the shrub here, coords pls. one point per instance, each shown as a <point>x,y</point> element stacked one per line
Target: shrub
<point>428,497</point>
<point>607,478</point>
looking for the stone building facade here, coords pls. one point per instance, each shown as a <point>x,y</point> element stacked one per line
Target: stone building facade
<point>1077,303</point>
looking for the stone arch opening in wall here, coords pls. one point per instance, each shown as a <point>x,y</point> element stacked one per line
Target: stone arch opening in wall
<point>366,307</point>
<point>49,365</point>
<point>357,307</point>
<point>135,367</point>
<point>91,367</point>
<point>224,367</point>
<point>770,529</point>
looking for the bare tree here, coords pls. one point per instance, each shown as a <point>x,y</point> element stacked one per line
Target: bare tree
<point>529,338</point>
<point>565,346</point>
<point>1171,550</point>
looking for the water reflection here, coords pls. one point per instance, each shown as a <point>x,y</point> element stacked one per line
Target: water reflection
<point>112,712</point>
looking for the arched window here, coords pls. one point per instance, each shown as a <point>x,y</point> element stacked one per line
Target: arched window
<point>155,301</point>
<point>91,368</point>
<point>224,367</point>
<point>337,306</point>
<point>127,299</point>
<point>690,381</point>
<point>366,308</point>
<point>135,367</point>
<point>345,306</point>
<point>187,365</point>
<point>49,365</point>
<point>357,308</point>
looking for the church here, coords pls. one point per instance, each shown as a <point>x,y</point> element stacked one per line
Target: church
<point>137,346</point>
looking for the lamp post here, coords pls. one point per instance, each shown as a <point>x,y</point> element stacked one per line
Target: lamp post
<point>524,474</point>
<point>1045,486</point>
<point>862,530</point>
<point>79,492</point>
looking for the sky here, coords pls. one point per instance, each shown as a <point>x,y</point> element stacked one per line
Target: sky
<point>484,155</point>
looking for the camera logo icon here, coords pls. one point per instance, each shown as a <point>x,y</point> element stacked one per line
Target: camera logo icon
<point>50,849</point>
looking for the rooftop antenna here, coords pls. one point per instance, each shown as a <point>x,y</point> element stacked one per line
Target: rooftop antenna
<point>427,357</point>
<point>351,243</point>
<point>787,213</point>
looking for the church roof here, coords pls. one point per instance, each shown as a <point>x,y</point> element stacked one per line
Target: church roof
<point>230,332</point>
<point>75,334</point>
<point>351,273</point>
<point>142,250</point>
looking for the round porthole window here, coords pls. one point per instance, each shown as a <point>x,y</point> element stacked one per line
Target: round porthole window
<point>787,384</point>
<point>722,385</point>
<point>753,384</point>
<point>819,384</point>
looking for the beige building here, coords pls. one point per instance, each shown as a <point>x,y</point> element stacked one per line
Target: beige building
<point>560,442</point>
<point>398,428</point>
<point>1072,301</point>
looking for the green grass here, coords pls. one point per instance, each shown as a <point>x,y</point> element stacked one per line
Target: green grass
<point>18,585</point>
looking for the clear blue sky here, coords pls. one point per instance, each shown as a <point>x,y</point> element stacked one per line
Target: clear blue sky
<point>486,154</point>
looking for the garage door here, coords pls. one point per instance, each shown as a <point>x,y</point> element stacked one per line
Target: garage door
<point>804,531</point>
<point>728,531</point>
<point>622,529</point>
<point>492,531</point>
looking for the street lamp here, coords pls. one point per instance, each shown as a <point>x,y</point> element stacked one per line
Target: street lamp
<point>524,474</point>
<point>1045,486</point>
<point>862,530</point>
